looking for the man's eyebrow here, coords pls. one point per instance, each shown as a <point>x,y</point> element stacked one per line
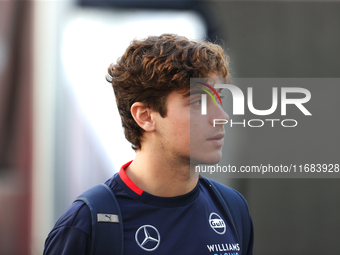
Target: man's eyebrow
<point>194,91</point>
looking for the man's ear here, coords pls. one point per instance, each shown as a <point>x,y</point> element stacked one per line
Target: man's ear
<point>143,116</point>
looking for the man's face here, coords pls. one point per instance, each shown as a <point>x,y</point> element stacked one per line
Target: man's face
<point>206,141</point>
<point>186,134</point>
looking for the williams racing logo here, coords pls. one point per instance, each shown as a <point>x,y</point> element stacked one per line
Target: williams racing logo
<point>217,223</point>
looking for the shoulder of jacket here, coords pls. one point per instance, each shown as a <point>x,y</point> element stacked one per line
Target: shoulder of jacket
<point>78,216</point>
<point>229,194</point>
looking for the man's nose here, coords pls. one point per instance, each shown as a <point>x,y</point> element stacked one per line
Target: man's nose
<point>219,114</point>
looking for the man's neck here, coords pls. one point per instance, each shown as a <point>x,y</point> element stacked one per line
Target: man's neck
<point>160,176</point>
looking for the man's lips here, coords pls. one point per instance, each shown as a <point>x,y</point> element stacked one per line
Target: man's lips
<point>217,139</point>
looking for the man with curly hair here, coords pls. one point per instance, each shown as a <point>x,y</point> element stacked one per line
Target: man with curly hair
<point>164,208</point>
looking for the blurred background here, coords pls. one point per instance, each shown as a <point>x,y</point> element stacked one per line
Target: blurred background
<point>60,132</point>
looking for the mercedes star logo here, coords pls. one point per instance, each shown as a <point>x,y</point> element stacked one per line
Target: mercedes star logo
<point>147,237</point>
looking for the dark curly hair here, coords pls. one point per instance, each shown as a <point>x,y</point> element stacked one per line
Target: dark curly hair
<point>152,68</point>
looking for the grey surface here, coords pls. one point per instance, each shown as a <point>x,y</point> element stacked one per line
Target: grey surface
<point>286,40</point>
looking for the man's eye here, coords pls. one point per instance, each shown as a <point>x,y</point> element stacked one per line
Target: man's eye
<point>197,102</point>
<point>221,96</point>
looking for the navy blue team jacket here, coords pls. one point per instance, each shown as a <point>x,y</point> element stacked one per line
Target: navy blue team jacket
<point>191,224</point>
